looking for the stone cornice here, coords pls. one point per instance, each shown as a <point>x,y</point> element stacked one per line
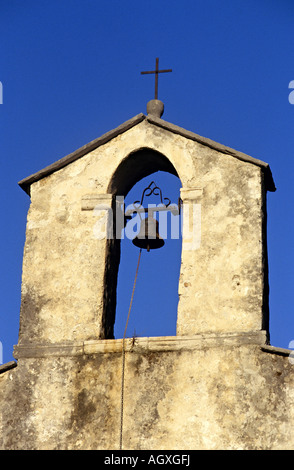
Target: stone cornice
<point>141,345</point>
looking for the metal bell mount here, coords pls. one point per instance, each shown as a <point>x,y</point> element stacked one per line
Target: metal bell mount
<point>148,237</point>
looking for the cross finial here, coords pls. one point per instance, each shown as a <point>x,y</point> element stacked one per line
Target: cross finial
<point>156,72</point>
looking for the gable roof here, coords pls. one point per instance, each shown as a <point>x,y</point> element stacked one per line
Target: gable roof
<point>152,119</point>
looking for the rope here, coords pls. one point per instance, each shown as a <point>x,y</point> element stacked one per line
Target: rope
<point>124,355</point>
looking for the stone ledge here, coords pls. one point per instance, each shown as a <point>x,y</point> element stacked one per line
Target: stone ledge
<point>275,350</point>
<point>7,366</point>
<point>96,201</point>
<point>160,343</point>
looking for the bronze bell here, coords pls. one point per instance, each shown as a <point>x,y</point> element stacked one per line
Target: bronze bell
<point>148,237</point>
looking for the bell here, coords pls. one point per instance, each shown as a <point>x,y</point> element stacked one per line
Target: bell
<point>148,237</point>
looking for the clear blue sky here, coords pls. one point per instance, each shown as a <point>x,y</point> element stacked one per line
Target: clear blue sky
<point>70,72</point>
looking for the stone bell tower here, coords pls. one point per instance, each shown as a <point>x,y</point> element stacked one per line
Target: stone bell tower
<point>217,383</point>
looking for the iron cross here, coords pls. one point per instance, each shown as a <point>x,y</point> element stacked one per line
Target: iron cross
<point>156,71</point>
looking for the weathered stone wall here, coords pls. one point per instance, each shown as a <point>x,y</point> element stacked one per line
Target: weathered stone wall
<point>202,392</point>
<point>221,287</point>
<point>215,385</point>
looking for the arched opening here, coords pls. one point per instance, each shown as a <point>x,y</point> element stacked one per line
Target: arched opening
<point>154,310</point>
<point>136,166</point>
<point>155,302</point>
